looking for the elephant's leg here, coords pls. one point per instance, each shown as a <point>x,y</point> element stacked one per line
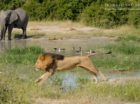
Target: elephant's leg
<point>10,28</point>
<point>1,37</point>
<point>24,33</point>
<point>4,32</point>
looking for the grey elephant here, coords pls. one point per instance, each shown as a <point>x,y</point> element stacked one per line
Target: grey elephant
<point>10,19</point>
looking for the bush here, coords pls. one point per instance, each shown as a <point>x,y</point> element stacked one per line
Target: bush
<point>134,18</point>
<point>97,14</point>
<point>101,13</point>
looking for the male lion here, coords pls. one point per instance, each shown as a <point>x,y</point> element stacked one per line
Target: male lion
<point>51,62</point>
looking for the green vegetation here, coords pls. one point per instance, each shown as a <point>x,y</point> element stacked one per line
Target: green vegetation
<point>128,91</point>
<point>128,48</point>
<point>21,55</point>
<point>16,65</point>
<point>11,92</point>
<point>18,75</point>
<point>125,54</point>
<point>101,13</point>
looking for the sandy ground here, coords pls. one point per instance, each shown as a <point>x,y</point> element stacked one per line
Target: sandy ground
<point>56,29</point>
<point>59,27</point>
<point>71,28</point>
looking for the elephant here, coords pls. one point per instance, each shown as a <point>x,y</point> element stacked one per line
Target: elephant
<point>10,19</point>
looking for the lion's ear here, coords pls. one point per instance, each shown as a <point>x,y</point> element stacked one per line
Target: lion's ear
<point>42,57</point>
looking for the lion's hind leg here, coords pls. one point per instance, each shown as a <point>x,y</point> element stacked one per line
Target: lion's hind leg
<point>91,68</point>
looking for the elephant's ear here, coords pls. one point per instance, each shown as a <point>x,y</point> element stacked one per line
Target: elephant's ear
<point>13,17</point>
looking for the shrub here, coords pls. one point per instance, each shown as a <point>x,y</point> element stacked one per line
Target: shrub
<point>134,18</point>
<point>101,13</point>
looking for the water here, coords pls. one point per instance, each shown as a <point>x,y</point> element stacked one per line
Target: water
<point>4,45</point>
<point>49,45</point>
<point>69,82</point>
<point>132,74</point>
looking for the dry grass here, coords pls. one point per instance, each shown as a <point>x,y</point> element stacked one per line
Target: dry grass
<point>81,100</point>
<point>121,31</point>
<point>67,29</point>
<point>56,23</point>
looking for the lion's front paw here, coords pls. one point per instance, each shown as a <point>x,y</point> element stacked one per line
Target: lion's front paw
<point>38,80</point>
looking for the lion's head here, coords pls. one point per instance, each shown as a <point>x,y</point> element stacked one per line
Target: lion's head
<point>43,61</point>
<point>47,60</point>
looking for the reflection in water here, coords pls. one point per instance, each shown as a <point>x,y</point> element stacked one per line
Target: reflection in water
<point>4,45</point>
<point>65,45</point>
<point>135,74</point>
<point>69,82</point>
<point>20,43</point>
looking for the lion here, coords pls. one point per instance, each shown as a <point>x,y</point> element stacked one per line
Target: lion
<point>50,63</point>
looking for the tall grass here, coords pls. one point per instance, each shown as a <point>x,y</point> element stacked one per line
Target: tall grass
<point>133,37</point>
<point>12,92</point>
<point>128,92</point>
<point>108,63</point>
<point>125,55</point>
<point>21,55</point>
<point>125,47</point>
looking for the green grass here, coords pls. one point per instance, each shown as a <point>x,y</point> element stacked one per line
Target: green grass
<point>129,91</point>
<point>25,55</point>
<point>117,62</point>
<point>133,37</point>
<point>125,55</point>
<point>125,47</point>
<point>17,78</point>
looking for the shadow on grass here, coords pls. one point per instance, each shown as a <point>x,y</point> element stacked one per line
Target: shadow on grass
<point>20,36</point>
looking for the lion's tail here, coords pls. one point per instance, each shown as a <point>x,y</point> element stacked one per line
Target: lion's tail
<point>92,54</point>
